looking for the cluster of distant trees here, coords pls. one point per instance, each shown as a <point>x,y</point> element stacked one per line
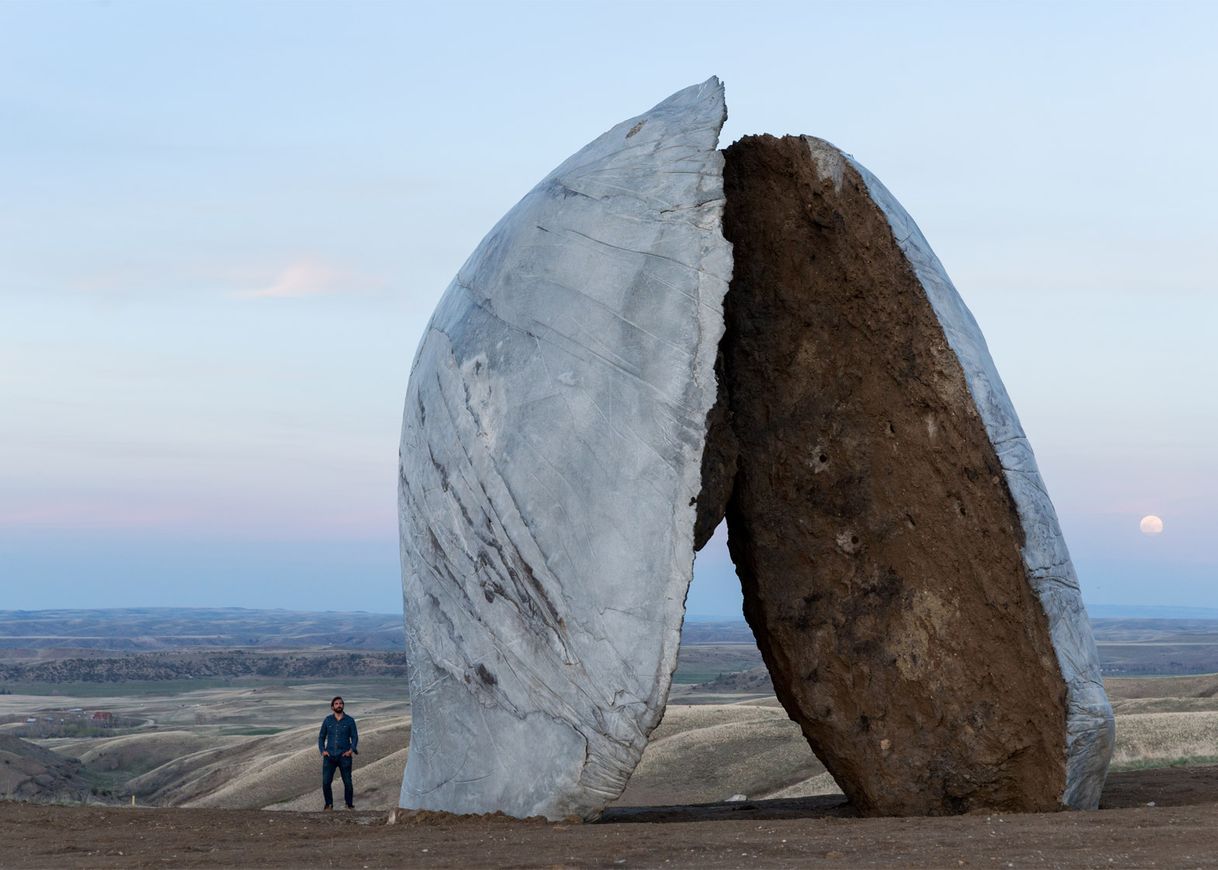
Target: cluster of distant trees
<point>204,664</point>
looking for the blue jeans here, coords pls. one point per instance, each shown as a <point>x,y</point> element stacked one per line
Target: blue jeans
<point>343,765</point>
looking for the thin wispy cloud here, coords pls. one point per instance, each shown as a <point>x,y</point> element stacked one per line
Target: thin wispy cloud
<point>201,275</point>
<point>310,277</point>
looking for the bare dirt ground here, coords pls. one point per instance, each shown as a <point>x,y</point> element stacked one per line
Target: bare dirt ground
<point>1151,818</point>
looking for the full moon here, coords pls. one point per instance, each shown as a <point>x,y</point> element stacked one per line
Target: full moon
<point>1151,525</point>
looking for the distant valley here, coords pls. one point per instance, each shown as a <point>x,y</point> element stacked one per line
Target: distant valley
<point>58,647</point>
<point>201,665</point>
<point>34,633</point>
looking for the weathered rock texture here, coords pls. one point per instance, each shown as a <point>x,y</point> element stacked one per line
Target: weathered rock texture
<point>574,428</point>
<point>1090,728</point>
<point>875,519</point>
<point>550,461</point>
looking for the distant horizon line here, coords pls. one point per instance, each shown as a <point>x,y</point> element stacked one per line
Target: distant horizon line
<point>1100,611</point>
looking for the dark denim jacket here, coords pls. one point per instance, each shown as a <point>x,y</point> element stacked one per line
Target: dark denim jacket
<point>337,736</point>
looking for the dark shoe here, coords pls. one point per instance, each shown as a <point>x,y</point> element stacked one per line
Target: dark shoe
<point>327,808</point>
<point>350,806</point>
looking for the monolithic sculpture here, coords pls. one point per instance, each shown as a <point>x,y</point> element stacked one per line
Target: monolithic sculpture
<point>577,420</point>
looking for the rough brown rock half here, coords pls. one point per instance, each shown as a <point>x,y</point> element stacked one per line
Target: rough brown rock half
<point>870,521</point>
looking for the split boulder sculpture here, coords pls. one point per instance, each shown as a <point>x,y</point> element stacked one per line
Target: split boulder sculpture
<point>662,334</point>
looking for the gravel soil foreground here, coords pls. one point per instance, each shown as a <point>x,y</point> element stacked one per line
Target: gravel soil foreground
<point>1152,818</point>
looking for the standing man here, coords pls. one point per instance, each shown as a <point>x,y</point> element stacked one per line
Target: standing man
<point>337,742</point>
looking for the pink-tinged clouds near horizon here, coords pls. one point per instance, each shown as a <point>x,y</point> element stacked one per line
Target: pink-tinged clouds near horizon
<point>269,519</point>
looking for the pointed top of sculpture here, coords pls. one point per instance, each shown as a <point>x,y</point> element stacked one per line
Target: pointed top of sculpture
<point>708,94</point>
<point>690,118</point>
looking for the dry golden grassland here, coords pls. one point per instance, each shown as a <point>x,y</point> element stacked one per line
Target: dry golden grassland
<point>210,748</point>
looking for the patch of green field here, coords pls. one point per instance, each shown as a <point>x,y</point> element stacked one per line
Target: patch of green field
<point>141,688</point>
<point>76,729</point>
<point>703,673</point>
<point>106,785</point>
<point>701,663</point>
<point>124,689</point>
<point>1154,763</point>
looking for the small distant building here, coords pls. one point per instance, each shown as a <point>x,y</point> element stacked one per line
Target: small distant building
<point>102,716</point>
<point>31,719</point>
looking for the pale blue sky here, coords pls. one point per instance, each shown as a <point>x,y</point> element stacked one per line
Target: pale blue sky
<point>223,226</point>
